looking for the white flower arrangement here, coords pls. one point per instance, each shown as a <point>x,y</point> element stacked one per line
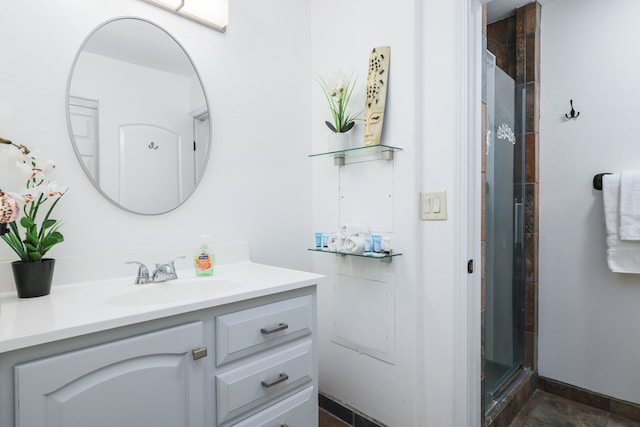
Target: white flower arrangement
<point>26,185</point>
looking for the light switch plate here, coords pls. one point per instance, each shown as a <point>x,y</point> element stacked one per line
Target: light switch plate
<point>433,206</point>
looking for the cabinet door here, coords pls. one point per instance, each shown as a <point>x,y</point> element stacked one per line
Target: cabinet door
<point>147,380</point>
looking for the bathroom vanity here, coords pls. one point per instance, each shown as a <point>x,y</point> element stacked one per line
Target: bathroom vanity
<point>237,349</point>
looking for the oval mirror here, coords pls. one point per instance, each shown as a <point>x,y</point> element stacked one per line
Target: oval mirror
<point>138,116</point>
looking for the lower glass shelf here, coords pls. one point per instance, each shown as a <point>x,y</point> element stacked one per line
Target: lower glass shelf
<point>370,255</point>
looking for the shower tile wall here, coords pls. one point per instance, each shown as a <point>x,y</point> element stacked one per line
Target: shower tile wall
<point>515,42</point>
<point>528,77</point>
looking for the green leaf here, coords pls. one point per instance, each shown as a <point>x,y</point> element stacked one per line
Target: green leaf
<point>31,237</point>
<point>48,223</point>
<point>330,126</point>
<point>26,222</point>
<point>35,256</point>
<point>52,239</point>
<point>347,127</point>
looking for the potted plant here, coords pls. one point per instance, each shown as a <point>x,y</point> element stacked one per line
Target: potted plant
<point>338,95</point>
<point>26,185</point>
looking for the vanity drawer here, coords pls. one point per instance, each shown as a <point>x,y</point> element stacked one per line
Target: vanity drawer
<point>254,384</point>
<point>249,331</point>
<point>298,410</point>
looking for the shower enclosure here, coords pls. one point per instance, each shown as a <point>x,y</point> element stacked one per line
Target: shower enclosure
<point>504,233</point>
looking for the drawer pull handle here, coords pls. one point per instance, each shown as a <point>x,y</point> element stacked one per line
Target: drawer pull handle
<point>199,353</point>
<point>284,425</point>
<point>281,378</point>
<point>280,327</point>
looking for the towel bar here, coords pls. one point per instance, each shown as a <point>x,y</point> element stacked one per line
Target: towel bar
<point>597,180</point>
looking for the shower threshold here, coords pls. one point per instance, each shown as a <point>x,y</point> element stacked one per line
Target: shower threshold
<point>507,381</point>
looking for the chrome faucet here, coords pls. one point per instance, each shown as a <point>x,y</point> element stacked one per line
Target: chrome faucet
<point>143,273</point>
<point>161,273</point>
<point>164,272</point>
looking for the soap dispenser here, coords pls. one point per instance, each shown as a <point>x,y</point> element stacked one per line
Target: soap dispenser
<point>204,259</point>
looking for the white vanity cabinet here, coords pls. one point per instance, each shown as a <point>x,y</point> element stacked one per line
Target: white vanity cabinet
<point>147,380</point>
<point>260,369</point>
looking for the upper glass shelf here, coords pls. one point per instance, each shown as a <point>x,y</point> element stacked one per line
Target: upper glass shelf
<point>385,151</point>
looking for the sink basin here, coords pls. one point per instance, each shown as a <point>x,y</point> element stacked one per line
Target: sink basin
<point>180,290</point>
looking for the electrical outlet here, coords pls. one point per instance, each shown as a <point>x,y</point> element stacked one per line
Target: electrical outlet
<point>433,206</point>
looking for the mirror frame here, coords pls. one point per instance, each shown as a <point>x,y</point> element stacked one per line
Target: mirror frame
<point>70,129</point>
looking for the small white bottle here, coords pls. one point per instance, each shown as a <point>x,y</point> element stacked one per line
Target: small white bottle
<point>204,260</point>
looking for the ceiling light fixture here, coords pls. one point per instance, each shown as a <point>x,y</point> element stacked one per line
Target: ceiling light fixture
<point>212,13</point>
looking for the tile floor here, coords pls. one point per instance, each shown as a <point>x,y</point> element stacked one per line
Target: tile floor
<point>325,419</point>
<point>542,410</point>
<point>548,410</point>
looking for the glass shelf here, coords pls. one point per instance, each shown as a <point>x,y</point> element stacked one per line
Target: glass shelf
<point>386,152</point>
<point>370,255</point>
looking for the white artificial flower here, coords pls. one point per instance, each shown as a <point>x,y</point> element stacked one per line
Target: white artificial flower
<point>14,172</point>
<point>54,191</point>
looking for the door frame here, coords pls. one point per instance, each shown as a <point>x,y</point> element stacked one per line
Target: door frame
<point>467,323</point>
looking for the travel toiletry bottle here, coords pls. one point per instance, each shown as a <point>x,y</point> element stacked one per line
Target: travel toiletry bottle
<point>204,260</point>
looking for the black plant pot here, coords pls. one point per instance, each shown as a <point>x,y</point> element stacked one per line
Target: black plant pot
<point>33,279</point>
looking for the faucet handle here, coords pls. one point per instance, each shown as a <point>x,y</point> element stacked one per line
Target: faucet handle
<point>143,273</point>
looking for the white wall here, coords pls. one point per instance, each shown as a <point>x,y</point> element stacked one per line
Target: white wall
<point>409,380</point>
<point>588,316</point>
<point>257,81</point>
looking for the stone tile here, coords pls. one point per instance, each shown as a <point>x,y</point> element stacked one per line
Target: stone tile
<point>625,409</point>
<point>325,419</point>
<point>529,18</point>
<point>553,411</point>
<point>530,57</point>
<point>531,259</point>
<point>335,408</point>
<point>531,208</point>
<point>531,307</point>
<point>532,104</point>
<point>484,19</point>
<point>615,421</point>
<point>521,55</point>
<point>517,398</point>
<point>520,21</point>
<point>530,359</point>
<point>360,421</point>
<point>576,394</point>
<point>510,44</point>
<point>532,157</point>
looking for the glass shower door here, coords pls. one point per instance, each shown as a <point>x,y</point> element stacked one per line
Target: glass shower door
<point>504,252</point>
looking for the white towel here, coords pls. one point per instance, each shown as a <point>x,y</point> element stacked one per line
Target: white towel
<point>335,242</point>
<point>354,245</point>
<point>622,256</point>
<point>353,230</point>
<point>630,205</point>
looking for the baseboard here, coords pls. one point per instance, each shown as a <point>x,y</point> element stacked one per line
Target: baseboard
<point>581,395</point>
<point>346,414</point>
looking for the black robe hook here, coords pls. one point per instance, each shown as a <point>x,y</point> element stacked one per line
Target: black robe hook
<point>572,114</point>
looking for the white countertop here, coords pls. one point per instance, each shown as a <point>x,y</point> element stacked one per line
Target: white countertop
<point>87,307</point>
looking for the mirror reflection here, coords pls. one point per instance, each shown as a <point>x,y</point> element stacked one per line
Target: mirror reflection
<point>138,116</point>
